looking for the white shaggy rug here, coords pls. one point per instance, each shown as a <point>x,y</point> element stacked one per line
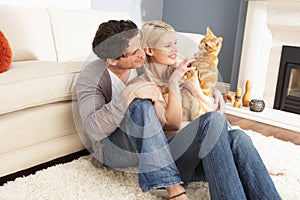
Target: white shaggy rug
<point>80,180</point>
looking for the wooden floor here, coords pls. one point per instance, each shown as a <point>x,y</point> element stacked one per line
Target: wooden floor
<point>265,129</point>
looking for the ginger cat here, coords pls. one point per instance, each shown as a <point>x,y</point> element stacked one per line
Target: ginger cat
<point>206,68</point>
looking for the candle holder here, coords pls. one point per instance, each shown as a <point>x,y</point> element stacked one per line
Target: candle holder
<point>257,105</point>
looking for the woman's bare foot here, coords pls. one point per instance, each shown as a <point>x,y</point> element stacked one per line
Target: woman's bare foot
<point>176,192</point>
<point>276,172</point>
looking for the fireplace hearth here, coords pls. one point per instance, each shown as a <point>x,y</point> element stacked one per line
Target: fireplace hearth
<point>287,96</point>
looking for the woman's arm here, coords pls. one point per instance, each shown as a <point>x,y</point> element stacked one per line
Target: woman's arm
<point>193,85</point>
<point>174,109</point>
<point>219,101</point>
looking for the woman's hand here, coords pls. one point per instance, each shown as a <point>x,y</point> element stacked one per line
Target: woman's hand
<point>219,101</point>
<point>173,116</point>
<point>181,69</point>
<point>193,85</point>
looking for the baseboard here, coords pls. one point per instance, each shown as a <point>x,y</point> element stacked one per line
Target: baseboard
<point>33,170</point>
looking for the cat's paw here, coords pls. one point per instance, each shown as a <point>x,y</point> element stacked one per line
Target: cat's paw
<point>189,74</point>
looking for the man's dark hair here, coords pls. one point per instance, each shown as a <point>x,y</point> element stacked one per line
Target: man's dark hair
<point>112,38</point>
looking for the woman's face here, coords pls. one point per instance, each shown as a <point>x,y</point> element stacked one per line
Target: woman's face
<point>165,50</point>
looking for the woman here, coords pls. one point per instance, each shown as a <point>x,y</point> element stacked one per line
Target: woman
<point>206,149</point>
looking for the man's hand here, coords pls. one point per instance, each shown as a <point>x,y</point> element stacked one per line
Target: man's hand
<point>148,92</point>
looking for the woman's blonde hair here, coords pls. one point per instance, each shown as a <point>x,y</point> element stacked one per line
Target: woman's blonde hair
<point>152,31</point>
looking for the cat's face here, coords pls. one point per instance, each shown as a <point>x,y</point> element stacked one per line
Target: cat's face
<point>211,43</point>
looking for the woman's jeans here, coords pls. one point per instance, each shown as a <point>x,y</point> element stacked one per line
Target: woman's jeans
<point>204,150</point>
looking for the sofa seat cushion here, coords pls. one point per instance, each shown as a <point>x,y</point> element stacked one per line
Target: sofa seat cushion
<point>36,135</point>
<point>33,83</point>
<point>37,125</point>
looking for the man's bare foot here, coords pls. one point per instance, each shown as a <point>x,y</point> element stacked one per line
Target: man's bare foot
<point>176,192</point>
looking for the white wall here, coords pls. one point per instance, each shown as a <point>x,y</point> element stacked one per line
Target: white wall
<point>139,10</point>
<point>76,4</point>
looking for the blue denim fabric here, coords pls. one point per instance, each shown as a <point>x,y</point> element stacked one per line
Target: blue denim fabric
<point>224,157</point>
<point>206,149</point>
<point>141,141</point>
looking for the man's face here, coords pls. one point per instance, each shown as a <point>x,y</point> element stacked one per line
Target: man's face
<point>133,56</point>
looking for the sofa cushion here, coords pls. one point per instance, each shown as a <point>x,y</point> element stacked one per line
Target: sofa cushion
<point>29,32</point>
<point>41,124</point>
<point>74,30</point>
<point>34,83</point>
<point>37,135</point>
<point>188,44</point>
<point>5,53</point>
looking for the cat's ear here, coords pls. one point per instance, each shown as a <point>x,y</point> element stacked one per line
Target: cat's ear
<point>220,39</point>
<point>208,31</point>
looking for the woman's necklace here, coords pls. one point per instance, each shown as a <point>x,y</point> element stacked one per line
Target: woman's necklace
<point>164,89</point>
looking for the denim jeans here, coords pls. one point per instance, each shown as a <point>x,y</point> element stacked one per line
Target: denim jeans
<point>224,157</point>
<point>206,149</point>
<point>140,141</point>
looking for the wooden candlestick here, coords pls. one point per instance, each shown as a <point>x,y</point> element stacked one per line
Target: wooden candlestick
<point>238,94</point>
<point>247,96</point>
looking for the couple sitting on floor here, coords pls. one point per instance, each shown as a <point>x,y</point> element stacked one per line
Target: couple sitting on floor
<point>132,121</point>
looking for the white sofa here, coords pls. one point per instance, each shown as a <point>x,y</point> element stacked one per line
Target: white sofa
<point>49,46</point>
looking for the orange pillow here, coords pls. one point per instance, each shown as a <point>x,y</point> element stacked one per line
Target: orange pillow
<point>5,53</point>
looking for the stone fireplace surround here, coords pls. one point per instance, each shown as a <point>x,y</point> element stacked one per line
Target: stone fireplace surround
<point>269,25</point>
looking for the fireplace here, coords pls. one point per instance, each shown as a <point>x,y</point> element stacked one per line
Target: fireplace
<point>287,96</point>
<point>270,25</point>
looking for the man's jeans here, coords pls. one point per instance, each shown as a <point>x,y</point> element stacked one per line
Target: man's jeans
<point>144,146</point>
<point>203,150</point>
